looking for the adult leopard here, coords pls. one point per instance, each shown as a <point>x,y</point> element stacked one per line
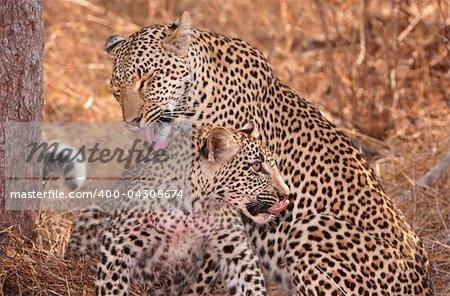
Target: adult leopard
<point>341,235</point>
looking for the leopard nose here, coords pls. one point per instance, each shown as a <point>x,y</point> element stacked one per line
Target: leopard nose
<point>281,187</point>
<point>279,184</point>
<point>134,122</point>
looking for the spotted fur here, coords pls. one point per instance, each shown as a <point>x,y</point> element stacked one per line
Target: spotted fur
<point>164,246</point>
<point>341,235</point>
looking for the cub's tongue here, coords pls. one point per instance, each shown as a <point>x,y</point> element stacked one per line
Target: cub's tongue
<point>158,142</point>
<point>280,206</point>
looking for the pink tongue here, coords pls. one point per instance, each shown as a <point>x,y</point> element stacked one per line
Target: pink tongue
<point>279,206</point>
<point>149,133</point>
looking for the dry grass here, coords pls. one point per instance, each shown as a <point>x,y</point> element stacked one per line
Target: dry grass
<point>379,69</point>
<point>38,267</point>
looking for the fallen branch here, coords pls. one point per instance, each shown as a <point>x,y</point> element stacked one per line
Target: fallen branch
<point>431,176</point>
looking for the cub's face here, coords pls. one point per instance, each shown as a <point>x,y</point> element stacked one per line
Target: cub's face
<point>245,173</point>
<point>150,77</point>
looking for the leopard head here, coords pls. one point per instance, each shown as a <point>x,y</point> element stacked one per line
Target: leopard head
<point>244,172</point>
<point>151,78</point>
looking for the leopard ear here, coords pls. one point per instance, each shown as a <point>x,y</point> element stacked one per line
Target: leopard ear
<point>179,40</point>
<point>112,44</point>
<point>220,145</point>
<point>251,128</point>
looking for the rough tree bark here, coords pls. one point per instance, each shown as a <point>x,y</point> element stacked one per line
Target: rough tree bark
<point>21,50</point>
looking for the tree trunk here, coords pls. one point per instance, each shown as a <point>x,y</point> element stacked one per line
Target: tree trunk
<point>21,50</point>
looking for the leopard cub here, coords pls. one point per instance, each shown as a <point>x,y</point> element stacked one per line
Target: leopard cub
<point>163,249</point>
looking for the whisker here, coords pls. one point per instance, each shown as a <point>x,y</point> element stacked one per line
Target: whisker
<point>180,119</point>
<point>109,135</point>
<point>331,279</point>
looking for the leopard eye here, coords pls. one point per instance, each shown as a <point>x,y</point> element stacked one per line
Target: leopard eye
<point>256,167</point>
<point>115,91</point>
<point>117,96</point>
<point>147,79</point>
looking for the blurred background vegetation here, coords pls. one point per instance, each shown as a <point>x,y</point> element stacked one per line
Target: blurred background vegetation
<point>380,70</point>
